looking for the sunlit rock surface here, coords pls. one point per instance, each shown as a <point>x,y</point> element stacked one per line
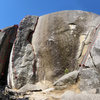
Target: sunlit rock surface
<point>46,48</point>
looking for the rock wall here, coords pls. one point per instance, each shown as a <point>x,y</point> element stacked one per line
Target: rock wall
<point>46,46</point>
<point>7,37</point>
<point>22,56</point>
<point>59,40</point>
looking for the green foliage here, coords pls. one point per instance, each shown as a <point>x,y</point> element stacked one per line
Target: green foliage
<point>66,71</point>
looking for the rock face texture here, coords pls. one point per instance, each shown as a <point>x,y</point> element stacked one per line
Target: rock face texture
<point>61,40</point>
<point>89,79</point>
<point>7,37</point>
<point>70,78</point>
<point>41,49</point>
<point>56,41</point>
<point>69,95</point>
<point>22,57</point>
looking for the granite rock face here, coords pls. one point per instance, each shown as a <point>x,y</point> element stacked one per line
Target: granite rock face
<point>70,78</point>
<point>60,41</point>
<point>22,57</point>
<point>44,47</point>
<point>7,37</point>
<point>89,79</point>
<point>70,95</point>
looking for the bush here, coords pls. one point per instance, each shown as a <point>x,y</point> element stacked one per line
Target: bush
<point>66,71</point>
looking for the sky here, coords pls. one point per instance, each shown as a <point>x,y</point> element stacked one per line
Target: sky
<point>13,11</point>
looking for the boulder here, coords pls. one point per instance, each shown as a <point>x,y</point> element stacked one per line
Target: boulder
<point>89,79</point>
<point>7,37</point>
<point>22,58</point>
<point>40,51</point>
<point>29,87</point>
<point>67,79</point>
<point>59,42</point>
<point>70,95</point>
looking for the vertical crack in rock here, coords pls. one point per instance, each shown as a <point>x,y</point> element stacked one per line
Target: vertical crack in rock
<point>7,37</point>
<point>22,57</point>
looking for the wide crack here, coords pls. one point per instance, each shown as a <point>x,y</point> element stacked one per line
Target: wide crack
<point>29,39</point>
